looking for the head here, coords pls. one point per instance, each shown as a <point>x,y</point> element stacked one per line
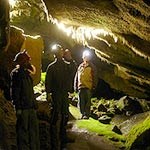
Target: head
<point>57,50</point>
<point>67,55</point>
<point>22,58</point>
<point>86,56</point>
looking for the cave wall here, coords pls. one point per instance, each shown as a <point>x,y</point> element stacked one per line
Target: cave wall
<point>18,42</point>
<point>34,46</point>
<point>4,25</point>
<point>125,64</point>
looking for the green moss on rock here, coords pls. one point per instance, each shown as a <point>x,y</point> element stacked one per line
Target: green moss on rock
<point>138,135</point>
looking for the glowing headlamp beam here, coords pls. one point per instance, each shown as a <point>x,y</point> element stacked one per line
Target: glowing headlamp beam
<point>86,53</point>
<point>54,47</point>
<point>82,34</point>
<point>12,2</point>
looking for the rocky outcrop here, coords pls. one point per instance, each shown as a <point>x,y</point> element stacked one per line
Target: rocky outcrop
<point>138,137</point>
<point>18,42</point>
<point>34,46</point>
<point>8,136</point>
<point>4,25</point>
<point>7,124</point>
<point>123,64</point>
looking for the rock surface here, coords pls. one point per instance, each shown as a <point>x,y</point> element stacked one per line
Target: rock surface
<point>18,42</point>
<point>125,64</point>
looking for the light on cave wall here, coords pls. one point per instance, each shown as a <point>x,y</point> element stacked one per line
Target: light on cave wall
<point>12,2</point>
<point>83,34</point>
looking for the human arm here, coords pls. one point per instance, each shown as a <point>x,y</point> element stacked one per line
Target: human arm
<point>32,69</point>
<point>76,82</point>
<point>48,83</point>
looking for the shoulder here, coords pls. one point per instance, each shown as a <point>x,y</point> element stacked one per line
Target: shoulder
<point>81,65</point>
<point>16,74</point>
<point>51,65</point>
<point>67,62</point>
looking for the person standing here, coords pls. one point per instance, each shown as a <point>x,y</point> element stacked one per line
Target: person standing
<point>58,84</point>
<point>85,82</point>
<point>22,95</point>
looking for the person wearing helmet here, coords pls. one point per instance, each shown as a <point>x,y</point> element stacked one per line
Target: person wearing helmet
<point>84,82</point>
<point>22,95</point>
<point>57,85</point>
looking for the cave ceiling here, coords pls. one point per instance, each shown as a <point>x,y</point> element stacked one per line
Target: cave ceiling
<point>123,18</point>
<point>118,31</point>
<point>125,62</point>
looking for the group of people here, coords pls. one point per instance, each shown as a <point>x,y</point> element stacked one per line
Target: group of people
<point>62,76</point>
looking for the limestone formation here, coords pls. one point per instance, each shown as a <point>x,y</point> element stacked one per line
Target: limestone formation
<point>124,63</point>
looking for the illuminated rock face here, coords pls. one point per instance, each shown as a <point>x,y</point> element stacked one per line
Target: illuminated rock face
<point>34,46</point>
<point>18,42</point>
<point>125,63</point>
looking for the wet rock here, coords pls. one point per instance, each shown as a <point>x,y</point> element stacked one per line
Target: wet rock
<point>84,140</point>
<point>130,105</point>
<point>7,124</point>
<point>142,141</point>
<point>94,115</point>
<point>116,129</point>
<point>128,122</point>
<point>105,119</point>
<point>102,107</point>
<point>117,110</point>
<point>139,135</point>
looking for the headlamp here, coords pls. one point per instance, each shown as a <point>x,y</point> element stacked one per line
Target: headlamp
<point>86,53</point>
<point>54,47</point>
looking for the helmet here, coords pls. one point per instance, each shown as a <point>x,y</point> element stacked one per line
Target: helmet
<point>86,54</point>
<point>56,48</point>
<point>22,57</point>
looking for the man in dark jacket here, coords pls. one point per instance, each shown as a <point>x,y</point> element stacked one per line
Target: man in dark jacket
<point>58,84</point>
<point>23,98</point>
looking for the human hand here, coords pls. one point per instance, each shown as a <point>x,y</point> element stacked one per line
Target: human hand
<point>32,69</point>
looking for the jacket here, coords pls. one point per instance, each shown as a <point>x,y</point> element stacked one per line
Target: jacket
<point>59,76</point>
<point>86,77</point>
<point>21,90</point>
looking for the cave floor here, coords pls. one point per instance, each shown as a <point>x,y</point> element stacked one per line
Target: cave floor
<point>81,139</point>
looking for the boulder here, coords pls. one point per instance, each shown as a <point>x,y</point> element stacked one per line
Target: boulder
<point>138,137</point>
<point>130,105</point>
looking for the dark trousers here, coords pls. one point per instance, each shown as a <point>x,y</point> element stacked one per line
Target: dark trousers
<point>58,130</point>
<point>28,130</point>
<point>84,101</point>
<point>59,119</point>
